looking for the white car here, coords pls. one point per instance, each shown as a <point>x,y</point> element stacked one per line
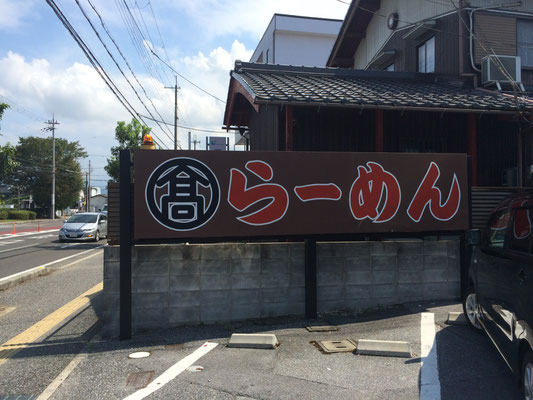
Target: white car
<point>84,226</point>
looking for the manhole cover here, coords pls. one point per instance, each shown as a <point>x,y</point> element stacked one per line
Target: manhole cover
<point>139,354</point>
<point>322,328</point>
<point>139,380</point>
<point>336,346</point>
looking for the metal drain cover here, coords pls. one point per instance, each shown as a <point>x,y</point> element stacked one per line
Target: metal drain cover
<point>139,380</point>
<point>322,328</point>
<point>337,346</point>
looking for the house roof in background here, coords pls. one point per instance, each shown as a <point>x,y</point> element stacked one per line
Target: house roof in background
<point>277,84</point>
<point>352,31</point>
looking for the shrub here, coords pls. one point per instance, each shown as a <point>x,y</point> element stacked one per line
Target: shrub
<point>32,214</point>
<point>3,214</point>
<point>18,214</point>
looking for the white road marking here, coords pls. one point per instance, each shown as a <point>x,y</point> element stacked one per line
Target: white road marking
<point>429,369</point>
<point>172,372</point>
<point>11,242</point>
<point>40,267</point>
<point>45,236</point>
<point>49,391</point>
<point>6,236</point>
<point>21,247</point>
<point>71,245</point>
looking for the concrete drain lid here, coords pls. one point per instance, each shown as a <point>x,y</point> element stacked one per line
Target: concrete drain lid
<point>139,354</point>
<point>322,328</point>
<point>336,346</point>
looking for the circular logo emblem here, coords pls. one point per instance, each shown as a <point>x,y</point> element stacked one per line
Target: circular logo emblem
<point>182,194</point>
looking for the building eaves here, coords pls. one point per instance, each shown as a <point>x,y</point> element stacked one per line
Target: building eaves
<point>278,84</point>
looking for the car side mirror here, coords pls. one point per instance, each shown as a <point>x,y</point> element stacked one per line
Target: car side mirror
<point>473,237</point>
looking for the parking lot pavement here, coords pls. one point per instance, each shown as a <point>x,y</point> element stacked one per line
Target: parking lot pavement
<point>468,366</point>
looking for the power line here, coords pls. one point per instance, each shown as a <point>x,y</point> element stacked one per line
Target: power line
<point>189,127</point>
<point>177,73</point>
<point>94,62</point>
<point>116,63</point>
<point>138,40</point>
<point>15,107</point>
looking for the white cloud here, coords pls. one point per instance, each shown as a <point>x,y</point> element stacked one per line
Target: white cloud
<point>88,111</point>
<point>223,17</point>
<point>12,12</point>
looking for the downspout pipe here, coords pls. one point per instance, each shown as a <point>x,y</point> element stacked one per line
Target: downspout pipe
<point>461,33</point>
<point>517,4</point>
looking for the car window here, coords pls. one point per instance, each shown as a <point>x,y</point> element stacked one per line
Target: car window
<point>103,218</point>
<point>82,219</point>
<point>520,235</point>
<point>497,228</point>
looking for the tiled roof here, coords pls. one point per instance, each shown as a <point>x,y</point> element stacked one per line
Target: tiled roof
<point>381,89</point>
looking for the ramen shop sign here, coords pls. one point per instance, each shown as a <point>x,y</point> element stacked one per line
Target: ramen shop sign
<point>194,194</point>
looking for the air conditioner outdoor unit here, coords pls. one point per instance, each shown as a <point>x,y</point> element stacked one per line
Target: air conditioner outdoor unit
<point>500,69</point>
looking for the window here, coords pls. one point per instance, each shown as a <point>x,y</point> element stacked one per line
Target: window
<point>524,41</point>
<point>268,51</point>
<point>497,227</point>
<point>426,56</point>
<point>520,235</point>
<point>390,67</point>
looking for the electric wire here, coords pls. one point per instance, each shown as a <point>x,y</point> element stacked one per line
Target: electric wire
<point>117,65</point>
<point>177,73</point>
<point>95,63</point>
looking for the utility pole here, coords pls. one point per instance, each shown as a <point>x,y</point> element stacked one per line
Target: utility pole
<point>89,189</point>
<point>52,127</point>
<point>175,112</point>
<point>195,141</point>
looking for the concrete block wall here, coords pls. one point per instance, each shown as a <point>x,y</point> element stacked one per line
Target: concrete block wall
<point>175,285</point>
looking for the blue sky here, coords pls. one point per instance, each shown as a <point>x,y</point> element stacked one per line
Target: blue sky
<point>43,71</point>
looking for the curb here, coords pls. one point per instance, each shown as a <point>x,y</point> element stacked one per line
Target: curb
<point>20,277</point>
<point>16,279</point>
<point>384,348</point>
<point>253,341</point>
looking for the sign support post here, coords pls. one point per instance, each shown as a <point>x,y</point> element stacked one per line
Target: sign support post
<point>125,245</point>
<point>310,279</point>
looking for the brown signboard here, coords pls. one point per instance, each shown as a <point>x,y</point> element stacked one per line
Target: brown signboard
<point>200,194</point>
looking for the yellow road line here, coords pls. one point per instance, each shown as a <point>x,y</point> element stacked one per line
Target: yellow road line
<point>33,333</point>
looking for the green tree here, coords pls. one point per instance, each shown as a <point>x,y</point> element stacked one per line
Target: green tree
<point>34,174</point>
<point>7,161</point>
<point>129,137</point>
<point>3,107</point>
<point>7,152</point>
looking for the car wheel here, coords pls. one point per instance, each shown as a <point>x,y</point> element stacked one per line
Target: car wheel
<point>97,236</point>
<point>527,375</point>
<point>471,309</point>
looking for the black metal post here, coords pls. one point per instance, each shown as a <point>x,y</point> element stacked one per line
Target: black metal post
<point>465,250</point>
<point>310,279</point>
<point>125,245</point>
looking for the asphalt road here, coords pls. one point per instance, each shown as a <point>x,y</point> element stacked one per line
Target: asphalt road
<point>24,251</point>
<point>28,372</point>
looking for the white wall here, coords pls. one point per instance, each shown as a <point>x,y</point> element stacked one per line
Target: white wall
<point>300,49</point>
<point>297,41</point>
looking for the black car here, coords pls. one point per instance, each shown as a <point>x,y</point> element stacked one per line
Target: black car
<point>499,299</point>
